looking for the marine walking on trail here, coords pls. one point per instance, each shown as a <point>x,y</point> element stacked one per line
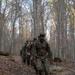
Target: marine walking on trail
<point>23,53</point>
<point>43,55</point>
<point>39,55</point>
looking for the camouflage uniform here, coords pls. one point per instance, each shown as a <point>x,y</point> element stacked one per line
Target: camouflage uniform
<point>28,53</point>
<point>43,55</point>
<point>23,54</point>
<point>32,59</point>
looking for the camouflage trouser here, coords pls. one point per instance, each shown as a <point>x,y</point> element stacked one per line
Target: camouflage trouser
<point>43,65</point>
<point>28,59</point>
<point>23,58</point>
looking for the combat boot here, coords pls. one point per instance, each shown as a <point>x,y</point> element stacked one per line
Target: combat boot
<point>47,73</point>
<point>41,73</point>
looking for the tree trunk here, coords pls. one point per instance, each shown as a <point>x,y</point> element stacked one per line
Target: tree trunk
<point>38,9</point>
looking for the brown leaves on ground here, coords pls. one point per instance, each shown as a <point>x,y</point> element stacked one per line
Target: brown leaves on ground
<point>10,66</point>
<point>63,68</point>
<point>13,66</point>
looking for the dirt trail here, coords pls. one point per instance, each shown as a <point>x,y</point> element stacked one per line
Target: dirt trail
<point>14,66</point>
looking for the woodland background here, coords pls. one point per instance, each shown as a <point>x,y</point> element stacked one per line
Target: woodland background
<point>22,20</point>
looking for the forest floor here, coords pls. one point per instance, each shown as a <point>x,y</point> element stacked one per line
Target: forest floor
<point>12,65</point>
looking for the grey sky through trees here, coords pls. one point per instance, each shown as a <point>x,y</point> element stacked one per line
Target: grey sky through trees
<point>22,20</point>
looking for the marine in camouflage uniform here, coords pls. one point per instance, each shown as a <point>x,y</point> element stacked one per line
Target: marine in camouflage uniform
<point>29,52</point>
<point>43,55</point>
<point>32,59</point>
<point>23,53</point>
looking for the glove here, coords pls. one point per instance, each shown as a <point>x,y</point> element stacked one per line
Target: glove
<point>33,59</point>
<point>28,53</point>
<point>51,62</point>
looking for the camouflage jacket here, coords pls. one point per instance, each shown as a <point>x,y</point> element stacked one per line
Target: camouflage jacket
<point>42,50</point>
